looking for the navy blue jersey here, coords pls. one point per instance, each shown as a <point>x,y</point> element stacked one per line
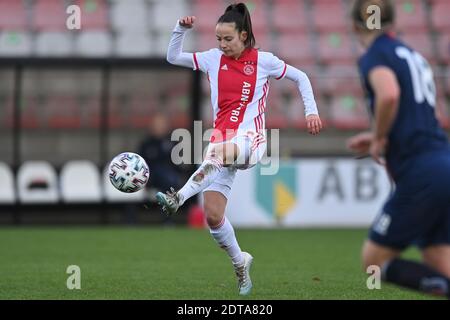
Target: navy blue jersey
<point>415,130</point>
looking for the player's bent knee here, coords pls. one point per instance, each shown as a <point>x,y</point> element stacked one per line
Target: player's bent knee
<point>376,255</point>
<point>367,260</point>
<point>213,214</point>
<point>213,221</point>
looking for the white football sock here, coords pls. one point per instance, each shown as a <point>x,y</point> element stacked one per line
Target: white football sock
<point>201,179</point>
<point>226,239</point>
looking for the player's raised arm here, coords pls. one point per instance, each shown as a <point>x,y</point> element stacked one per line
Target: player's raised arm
<point>175,54</point>
<point>304,86</point>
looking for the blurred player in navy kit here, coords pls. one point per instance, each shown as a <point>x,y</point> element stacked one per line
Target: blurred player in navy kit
<point>407,139</point>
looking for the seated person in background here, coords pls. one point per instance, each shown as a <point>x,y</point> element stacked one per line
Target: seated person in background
<point>156,149</point>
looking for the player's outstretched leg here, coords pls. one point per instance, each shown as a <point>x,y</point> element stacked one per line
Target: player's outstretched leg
<point>201,179</point>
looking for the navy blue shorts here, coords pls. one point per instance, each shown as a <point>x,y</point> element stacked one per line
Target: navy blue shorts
<point>418,211</point>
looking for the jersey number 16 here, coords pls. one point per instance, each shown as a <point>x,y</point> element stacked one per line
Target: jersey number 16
<point>421,76</point>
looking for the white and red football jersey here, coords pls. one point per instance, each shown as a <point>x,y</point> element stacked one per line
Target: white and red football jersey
<point>239,88</point>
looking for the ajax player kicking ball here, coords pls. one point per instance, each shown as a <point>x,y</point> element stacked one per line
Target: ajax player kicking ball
<point>239,80</point>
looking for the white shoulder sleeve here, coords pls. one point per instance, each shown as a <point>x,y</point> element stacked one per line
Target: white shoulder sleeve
<point>275,66</point>
<point>175,54</point>
<point>205,59</point>
<point>304,87</point>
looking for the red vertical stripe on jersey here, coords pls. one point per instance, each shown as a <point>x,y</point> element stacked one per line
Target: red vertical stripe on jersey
<point>262,101</point>
<point>236,87</point>
<point>195,62</point>
<point>259,125</point>
<point>257,141</point>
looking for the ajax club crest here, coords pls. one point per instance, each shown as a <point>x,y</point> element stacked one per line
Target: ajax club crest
<point>249,69</point>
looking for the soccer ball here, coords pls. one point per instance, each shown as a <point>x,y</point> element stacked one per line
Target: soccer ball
<point>128,172</point>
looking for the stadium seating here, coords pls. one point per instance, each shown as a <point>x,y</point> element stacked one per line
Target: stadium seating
<point>205,40</point>
<point>439,15</point>
<point>161,40</point>
<point>259,13</point>
<point>329,16</point>
<point>13,15</point>
<point>49,15</point>
<point>7,193</point>
<point>335,48</point>
<point>294,49</point>
<point>289,16</point>
<point>207,13</point>
<point>131,15</point>
<point>94,14</point>
<point>274,106</point>
<point>164,14</point>
<point>337,79</point>
<point>284,106</point>
<point>302,32</point>
<point>349,112</point>
<point>37,182</point>
<point>443,48</point>
<point>264,41</point>
<point>411,16</point>
<point>80,182</point>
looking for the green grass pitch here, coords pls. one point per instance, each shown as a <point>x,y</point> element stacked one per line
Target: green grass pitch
<point>179,263</point>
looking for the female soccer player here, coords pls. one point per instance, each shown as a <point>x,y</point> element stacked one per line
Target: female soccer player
<point>239,79</point>
<point>400,87</point>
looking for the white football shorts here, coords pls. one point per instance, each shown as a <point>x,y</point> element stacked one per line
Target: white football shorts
<point>251,146</point>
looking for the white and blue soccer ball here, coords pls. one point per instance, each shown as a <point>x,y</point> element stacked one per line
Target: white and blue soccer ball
<point>128,172</point>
